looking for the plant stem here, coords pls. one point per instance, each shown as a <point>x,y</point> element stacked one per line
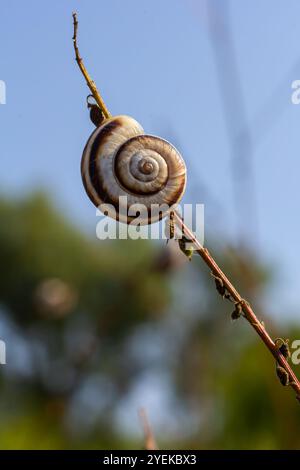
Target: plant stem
<point>150,442</point>
<point>203,252</point>
<point>247,310</point>
<point>90,83</point>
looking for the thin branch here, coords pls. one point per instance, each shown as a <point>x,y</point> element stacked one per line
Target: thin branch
<point>246,308</point>
<point>90,83</point>
<point>150,443</point>
<point>282,366</point>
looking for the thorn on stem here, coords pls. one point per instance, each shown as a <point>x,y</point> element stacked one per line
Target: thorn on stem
<point>238,311</point>
<point>96,115</point>
<point>187,250</point>
<point>283,346</point>
<point>282,375</point>
<point>221,289</point>
<point>170,226</point>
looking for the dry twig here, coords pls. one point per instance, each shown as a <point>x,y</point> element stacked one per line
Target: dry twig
<point>242,307</point>
<point>90,83</point>
<point>246,308</point>
<point>150,443</point>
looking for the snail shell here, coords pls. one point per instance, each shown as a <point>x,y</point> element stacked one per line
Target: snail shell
<point>120,160</point>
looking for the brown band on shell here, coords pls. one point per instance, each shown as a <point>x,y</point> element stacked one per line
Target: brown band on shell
<point>84,180</point>
<point>103,133</point>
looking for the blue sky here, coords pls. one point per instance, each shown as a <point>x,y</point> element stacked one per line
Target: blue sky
<point>169,64</point>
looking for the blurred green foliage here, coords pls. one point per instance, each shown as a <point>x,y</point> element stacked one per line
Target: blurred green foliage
<point>85,321</point>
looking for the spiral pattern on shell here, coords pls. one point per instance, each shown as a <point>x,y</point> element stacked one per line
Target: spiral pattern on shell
<point>120,160</point>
